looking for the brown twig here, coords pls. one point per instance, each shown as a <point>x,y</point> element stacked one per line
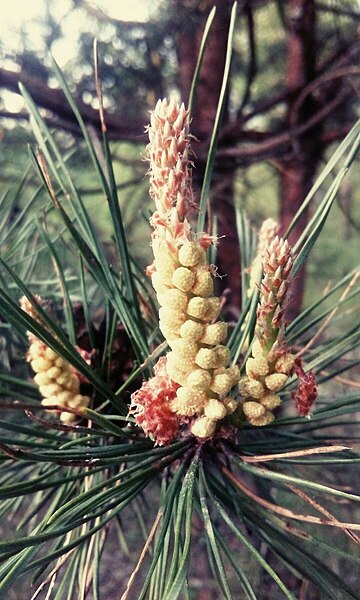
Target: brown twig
<point>54,101</point>
<point>293,454</point>
<point>130,583</point>
<point>318,82</point>
<point>52,575</point>
<point>303,590</point>
<point>347,381</point>
<point>322,510</point>
<point>285,512</point>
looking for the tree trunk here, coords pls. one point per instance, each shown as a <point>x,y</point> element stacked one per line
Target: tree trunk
<point>299,169</point>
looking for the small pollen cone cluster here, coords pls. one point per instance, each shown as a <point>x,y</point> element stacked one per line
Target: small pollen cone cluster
<point>183,280</point>
<point>267,232</point>
<point>58,382</point>
<point>271,363</point>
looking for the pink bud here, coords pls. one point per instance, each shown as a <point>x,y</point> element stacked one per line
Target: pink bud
<point>306,392</point>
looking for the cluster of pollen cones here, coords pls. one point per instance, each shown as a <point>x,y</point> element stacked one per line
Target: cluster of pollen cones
<point>205,384</point>
<point>195,388</point>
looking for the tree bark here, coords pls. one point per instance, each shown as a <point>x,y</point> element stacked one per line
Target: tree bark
<point>298,171</point>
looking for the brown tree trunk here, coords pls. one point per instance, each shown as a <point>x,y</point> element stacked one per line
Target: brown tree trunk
<point>298,171</point>
<point>207,99</point>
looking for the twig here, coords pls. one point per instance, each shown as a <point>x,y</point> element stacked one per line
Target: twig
<point>303,590</point>
<point>142,555</point>
<point>274,143</point>
<point>285,512</point>
<point>293,454</point>
<point>313,85</point>
<point>322,510</point>
<point>51,576</point>
<point>343,380</point>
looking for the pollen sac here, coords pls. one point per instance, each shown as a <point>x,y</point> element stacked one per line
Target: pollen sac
<point>169,333</point>
<point>213,309</point>
<point>257,349</point>
<point>257,367</point>
<point>285,364</point>
<point>221,384</point>
<point>191,330</point>
<point>203,284</point>
<point>71,384</point>
<point>253,410</point>
<point>158,283</point>
<point>182,362</point>
<point>234,373</point>
<point>203,427</point>
<point>219,371</point>
<point>66,417</point>
<point>80,400</point>
<point>251,388</point>
<point>50,401</point>
<point>190,254</point>
<point>197,307</point>
<point>53,373</point>
<point>222,356</point>
<point>64,380</point>
<point>162,250</point>
<point>184,349</point>
<point>188,401</point>
<point>174,299</point>
<point>60,363</point>
<point>215,409</point>
<point>275,381</point>
<point>178,375</point>
<point>166,267</point>
<point>193,396</point>
<point>42,378</point>
<point>270,401</point>
<point>199,378</point>
<point>52,389</point>
<point>41,364</point>
<point>64,397</point>
<point>230,404</point>
<point>182,409</point>
<point>171,318</point>
<point>263,420</point>
<point>183,279</point>
<point>214,334</point>
<point>35,351</point>
<point>50,354</point>
<point>206,358</point>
